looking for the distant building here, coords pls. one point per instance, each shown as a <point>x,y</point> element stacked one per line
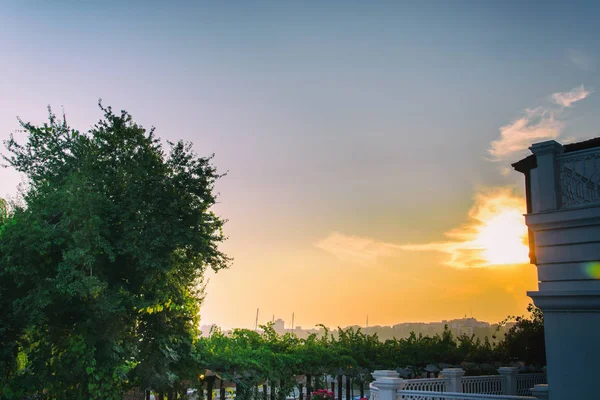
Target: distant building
<point>279,326</point>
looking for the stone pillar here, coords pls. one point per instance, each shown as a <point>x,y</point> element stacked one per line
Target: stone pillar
<point>509,385</point>
<point>454,375</point>
<point>547,174</point>
<point>388,383</point>
<point>571,326</point>
<point>540,392</point>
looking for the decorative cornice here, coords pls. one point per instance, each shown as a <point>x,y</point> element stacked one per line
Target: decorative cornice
<point>566,218</point>
<point>567,301</point>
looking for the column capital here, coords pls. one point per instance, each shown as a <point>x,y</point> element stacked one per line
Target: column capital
<point>387,384</point>
<point>385,373</point>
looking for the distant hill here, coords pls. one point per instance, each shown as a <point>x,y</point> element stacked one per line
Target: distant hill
<point>468,326</point>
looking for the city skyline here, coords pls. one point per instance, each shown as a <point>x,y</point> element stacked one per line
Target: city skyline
<point>367,146</point>
<point>280,320</point>
<point>469,326</point>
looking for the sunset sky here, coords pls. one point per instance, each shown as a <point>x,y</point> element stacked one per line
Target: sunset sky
<point>368,144</point>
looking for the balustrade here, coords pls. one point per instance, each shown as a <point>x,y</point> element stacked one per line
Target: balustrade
<point>453,385</point>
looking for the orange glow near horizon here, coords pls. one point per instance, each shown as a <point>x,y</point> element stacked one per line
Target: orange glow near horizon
<point>481,269</point>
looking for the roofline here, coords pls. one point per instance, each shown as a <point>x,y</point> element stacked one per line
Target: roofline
<point>530,162</point>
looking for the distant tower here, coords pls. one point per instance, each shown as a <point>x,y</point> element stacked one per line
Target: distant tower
<point>278,326</point>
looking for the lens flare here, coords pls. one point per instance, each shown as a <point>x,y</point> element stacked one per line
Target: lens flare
<point>592,269</point>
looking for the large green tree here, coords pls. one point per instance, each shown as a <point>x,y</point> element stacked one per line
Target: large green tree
<point>101,267</point>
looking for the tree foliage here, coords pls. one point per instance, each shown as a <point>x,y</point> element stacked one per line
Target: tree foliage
<point>249,358</point>
<point>525,340</point>
<point>101,280</point>
<point>101,269</point>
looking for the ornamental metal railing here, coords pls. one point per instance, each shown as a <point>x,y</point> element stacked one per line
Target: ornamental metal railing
<point>579,178</point>
<point>427,385</point>
<point>491,384</point>
<point>526,381</point>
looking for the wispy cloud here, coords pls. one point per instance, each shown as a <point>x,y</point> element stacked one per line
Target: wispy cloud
<point>355,249</point>
<point>565,99</point>
<point>495,233</point>
<point>580,59</point>
<point>536,125</point>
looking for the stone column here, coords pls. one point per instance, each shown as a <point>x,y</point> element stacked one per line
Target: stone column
<point>547,174</point>
<point>571,326</point>
<point>454,375</point>
<point>509,385</point>
<point>388,383</point>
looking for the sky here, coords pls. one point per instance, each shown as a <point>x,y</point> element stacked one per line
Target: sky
<point>367,145</point>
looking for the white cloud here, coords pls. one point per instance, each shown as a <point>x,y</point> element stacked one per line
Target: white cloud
<point>565,99</point>
<point>536,125</point>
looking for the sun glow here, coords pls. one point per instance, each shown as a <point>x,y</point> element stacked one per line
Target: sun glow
<point>501,238</point>
<point>495,233</point>
<point>497,229</point>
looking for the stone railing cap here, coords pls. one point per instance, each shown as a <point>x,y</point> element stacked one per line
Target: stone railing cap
<point>453,371</point>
